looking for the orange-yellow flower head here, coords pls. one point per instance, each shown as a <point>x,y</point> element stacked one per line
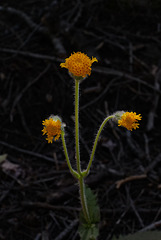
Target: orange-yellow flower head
<point>52,128</point>
<point>79,65</point>
<point>128,120</point>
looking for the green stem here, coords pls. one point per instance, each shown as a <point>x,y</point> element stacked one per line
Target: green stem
<point>81,178</point>
<point>77,126</point>
<point>73,172</point>
<point>83,199</point>
<point>85,173</point>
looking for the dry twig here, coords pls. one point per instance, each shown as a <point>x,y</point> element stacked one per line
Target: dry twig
<point>130,178</point>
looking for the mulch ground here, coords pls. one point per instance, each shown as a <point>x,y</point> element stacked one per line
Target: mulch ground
<point>38,197</point>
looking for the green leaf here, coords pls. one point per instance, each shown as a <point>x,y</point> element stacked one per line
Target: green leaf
<point>90,231</point>
<point>3,157</point>
<point>153,235</point>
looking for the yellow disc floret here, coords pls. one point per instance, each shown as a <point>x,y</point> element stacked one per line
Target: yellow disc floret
<point>79,64</point>
<point>52,128</point>
<point>129,120</point>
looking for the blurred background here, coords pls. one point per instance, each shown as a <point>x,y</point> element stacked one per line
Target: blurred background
<point>39,199</point>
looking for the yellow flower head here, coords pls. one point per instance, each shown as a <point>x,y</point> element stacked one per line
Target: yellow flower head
<point>52,128</point>
<point>129,120</point>
<point>79,65</point>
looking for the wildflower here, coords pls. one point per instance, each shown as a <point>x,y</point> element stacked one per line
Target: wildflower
<point>52,128</point>
<point>79,65</point>
<point>128,120</point>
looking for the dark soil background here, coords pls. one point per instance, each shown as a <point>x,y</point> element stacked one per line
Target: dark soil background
<point>38,197</point>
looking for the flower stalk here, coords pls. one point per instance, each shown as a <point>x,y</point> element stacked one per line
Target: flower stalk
<point>85,173</point>
<point>81,178</point>
<point>73,172</point>
<point>77,126</point>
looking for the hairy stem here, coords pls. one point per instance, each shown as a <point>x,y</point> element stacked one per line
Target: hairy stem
<point>85,173</point>
<point>77,126</point>
<point>83,199</point>
<point>73,172</point>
